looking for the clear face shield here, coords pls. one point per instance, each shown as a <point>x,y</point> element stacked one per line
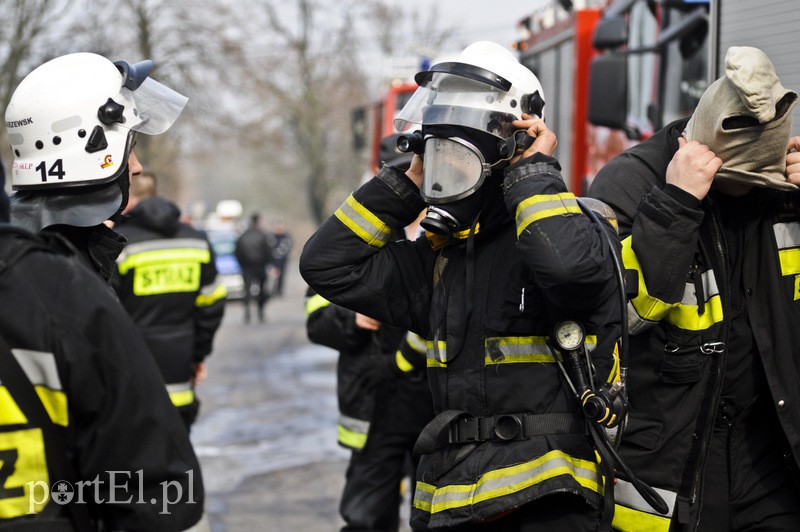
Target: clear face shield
<point>453,169</point>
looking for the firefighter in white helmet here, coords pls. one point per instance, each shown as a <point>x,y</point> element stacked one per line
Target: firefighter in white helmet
<point>85,415</point>
<point>509,255</point>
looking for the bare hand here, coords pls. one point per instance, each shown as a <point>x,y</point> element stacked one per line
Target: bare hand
<point>545,141</point>
<point>200,372</point>
<point>793,161</point>
<point>415,170</point>
<point>365,322</point>
<point>693,167</point>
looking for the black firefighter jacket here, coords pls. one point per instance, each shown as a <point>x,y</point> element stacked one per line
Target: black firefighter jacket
<point>680,321</point>
<point>168,283</point>
<point>486,314</point>
<point>380,375</point>
<point>102,391</point>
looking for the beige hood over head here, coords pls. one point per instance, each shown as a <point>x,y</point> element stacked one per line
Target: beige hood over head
<point>745,118</point>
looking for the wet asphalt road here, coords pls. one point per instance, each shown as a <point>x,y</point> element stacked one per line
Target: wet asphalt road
<point>266,434</point>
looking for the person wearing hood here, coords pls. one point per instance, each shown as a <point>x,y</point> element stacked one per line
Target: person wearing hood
<point>709,214</point>
<point>86,427</point>
<point>168,284</point>
<point>509,254</point>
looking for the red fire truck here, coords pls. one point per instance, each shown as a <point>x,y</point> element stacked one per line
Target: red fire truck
<point>614,72</point>
<point>374,122</point>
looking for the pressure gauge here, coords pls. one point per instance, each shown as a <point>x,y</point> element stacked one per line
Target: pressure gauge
<point>569,335</point>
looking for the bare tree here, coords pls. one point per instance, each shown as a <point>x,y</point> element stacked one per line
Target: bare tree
<point>30,31</point>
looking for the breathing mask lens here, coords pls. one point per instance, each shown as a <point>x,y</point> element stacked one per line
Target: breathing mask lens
<point>453,169</point>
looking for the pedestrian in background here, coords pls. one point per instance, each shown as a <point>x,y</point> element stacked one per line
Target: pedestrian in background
<point>168,283</point>
<point>254,254</point>
<point>281,249</point>
<point>83,401</point>
<point>710,219</point>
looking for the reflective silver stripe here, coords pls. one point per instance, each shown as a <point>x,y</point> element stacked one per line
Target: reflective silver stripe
<point>211,287</point>
<point>523,349</point>
<point>363,223</point>
<point>636,323</point>
<point>626,495</point>
<point>155,245</point>
<point>179,387</point>
<point>354,425</point>
<point>709,287</point>
<point>434,348</point>
<point>507,481</point>
<point>787,235</point>
<point>416,342</point>
<point>40,367</point>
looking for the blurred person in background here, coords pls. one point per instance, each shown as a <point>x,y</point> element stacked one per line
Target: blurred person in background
<point>168,283</point>
<point>254,249</point>
<point>383,396</point>
<point>281,249</point>
<point>81,398</point>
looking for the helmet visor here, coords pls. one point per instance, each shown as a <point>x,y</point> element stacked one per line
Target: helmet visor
<point>158,106</point>
<point>459,101</point>
<point>452,170</point>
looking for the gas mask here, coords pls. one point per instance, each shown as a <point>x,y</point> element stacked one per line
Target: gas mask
<point>456,163</point>
<point>455,168</point>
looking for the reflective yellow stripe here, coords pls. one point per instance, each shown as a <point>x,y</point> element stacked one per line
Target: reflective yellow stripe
<point>352,432</point>
<point>790,261</point>
<point>164,256</point>
<point>181,393</point>
<point>523,349</point>
<point>684,314</point>
<point>404,365</point>
<point>432,348</point>
<point>314,303</point>
<point>55,402</point>
<point>630,520</point>
<point>507,481</point>
<point>363,223</point>
<point>352,439</point>
<point>40,368</point>
<point>22,453</point>
<point>182,398</point>
<point>787,237</point>
<point>217,293</point>
<point>543,206</point>
<point>10,413</point>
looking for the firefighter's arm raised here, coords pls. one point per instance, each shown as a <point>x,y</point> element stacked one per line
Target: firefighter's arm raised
<point>571,260</point>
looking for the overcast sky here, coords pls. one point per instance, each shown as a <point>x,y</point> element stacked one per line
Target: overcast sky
<point>493,20</point>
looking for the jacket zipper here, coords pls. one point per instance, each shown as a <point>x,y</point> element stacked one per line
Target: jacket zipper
<point>721,251</point>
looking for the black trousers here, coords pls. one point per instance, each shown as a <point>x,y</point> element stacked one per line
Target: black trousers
<point>371,496</point>
<point>749,479</point>
<point>255,281</point>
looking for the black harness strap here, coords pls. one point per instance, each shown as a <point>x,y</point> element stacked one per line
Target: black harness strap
<point>457,426</point>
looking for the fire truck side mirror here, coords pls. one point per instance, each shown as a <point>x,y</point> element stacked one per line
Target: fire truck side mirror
<point>610,33</point>
<point>608,91</point>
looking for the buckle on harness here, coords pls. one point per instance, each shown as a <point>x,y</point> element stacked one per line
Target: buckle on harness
<point>508,427</point>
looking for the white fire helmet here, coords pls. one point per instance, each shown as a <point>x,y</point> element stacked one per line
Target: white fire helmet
<point>486,88</point>
<point>72,120</point>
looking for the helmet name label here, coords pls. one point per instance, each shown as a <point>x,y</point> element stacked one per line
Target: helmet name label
<point>18,123</point>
